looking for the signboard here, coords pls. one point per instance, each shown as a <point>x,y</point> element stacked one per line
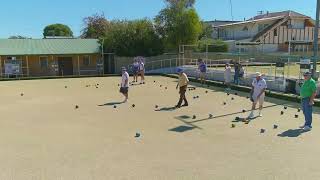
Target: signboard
<point>305,61</point>
<point>11,69</point>
<point>279,64</point>
<point>305,64</point>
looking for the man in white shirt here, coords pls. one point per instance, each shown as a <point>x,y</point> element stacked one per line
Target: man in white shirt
<point>257,93</point>
<point>124,89</point>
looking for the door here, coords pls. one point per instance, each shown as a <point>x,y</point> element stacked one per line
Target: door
<point>109,64</point>
<point>65,66</point>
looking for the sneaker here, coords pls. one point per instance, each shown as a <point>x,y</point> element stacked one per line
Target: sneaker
<point>307,128</point>
<point>260,115</point>
<point>302,127</point>
<point>177,106</point>
<point>185,105</point>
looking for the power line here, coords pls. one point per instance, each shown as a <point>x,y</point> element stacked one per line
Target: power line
<point>231,9</point>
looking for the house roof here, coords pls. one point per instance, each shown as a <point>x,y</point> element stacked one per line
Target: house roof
<point>252,21</point>
<point>48,46</point>
<point>269,16</point>
<point>219,22</point>
<point>282,13</point>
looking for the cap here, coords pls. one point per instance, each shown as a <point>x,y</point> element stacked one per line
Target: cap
<point>307,73</point>
<point>179,70</point>
<point>258,74</point>
<point>123,68</point>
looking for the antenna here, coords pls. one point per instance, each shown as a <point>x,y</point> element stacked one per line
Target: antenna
<point>260,12</point>
<point>231,9</point>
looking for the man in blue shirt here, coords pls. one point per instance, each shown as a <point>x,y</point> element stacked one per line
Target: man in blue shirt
<point>203,70</point>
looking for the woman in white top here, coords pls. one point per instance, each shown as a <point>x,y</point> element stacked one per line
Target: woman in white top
<point>227,76</point>
<point>257,94</point>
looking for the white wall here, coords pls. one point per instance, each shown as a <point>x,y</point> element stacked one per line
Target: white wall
<point>237,31</point>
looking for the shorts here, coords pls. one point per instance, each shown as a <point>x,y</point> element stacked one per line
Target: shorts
<point>260,100</point>
<point>135,72</point>
<point>124,90</point>
<point>141,72</point>
<point>203,74</point>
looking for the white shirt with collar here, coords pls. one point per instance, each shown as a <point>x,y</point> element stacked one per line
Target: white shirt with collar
<point>258,86</point>
<point>125,80</point>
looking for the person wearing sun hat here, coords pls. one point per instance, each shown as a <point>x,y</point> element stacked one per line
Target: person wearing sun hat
<point>182,85</point>
<point>308,92</point>
<point>257,94</point>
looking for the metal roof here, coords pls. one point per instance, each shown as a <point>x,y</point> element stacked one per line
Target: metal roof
<point>48,46</point>
<point>282,13</point>
<point>252,21</point>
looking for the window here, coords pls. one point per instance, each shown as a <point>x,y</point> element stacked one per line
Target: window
<point>275,32</point>
<point>245,28</point>
<point>11,58</point>
<point>43,62</point>
<point>86,60</point>
<point>260,27</point>
<point>14,60</point>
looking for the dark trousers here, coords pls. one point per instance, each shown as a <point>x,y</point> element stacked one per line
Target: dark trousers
<point>236,79</point>
<point>307,111</point>
<point>182,92</point>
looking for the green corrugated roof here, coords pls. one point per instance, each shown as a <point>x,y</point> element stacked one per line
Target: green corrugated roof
<point>48,46</point>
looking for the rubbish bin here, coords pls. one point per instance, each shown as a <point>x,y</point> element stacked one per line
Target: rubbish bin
<point>291,86</point>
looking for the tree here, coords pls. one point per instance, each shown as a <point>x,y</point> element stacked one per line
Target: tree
<point>213,45</point>
<point>133,38</point>
<point>18,37</point>
<point>95,26</point>
<point>206,31</point>
<point>57,30</point>
<point>178,24</point>
<point>181,3</point>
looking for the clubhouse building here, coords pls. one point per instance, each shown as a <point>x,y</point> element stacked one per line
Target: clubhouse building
<point>50,57</point>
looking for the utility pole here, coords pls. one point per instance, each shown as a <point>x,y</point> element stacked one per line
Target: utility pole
<point>315,41</point>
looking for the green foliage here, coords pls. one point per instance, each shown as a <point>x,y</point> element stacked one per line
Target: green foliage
<point>57,30</point>
<point>18,37</point>
<point>213,45</point>
<point>133,38</point>
<point>178,24</point>
<point>181,3</point>
<point>206,31</point>
<point>95,26</point>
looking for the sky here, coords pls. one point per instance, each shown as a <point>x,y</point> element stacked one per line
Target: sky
<point>29,17</point>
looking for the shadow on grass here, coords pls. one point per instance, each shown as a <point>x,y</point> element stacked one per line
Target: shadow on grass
<point>245,119</point>
<point>111,104</point>
<point>167,109</point>
<point>181,129</point>
<point>292,133</point>
<point>137,84</point>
